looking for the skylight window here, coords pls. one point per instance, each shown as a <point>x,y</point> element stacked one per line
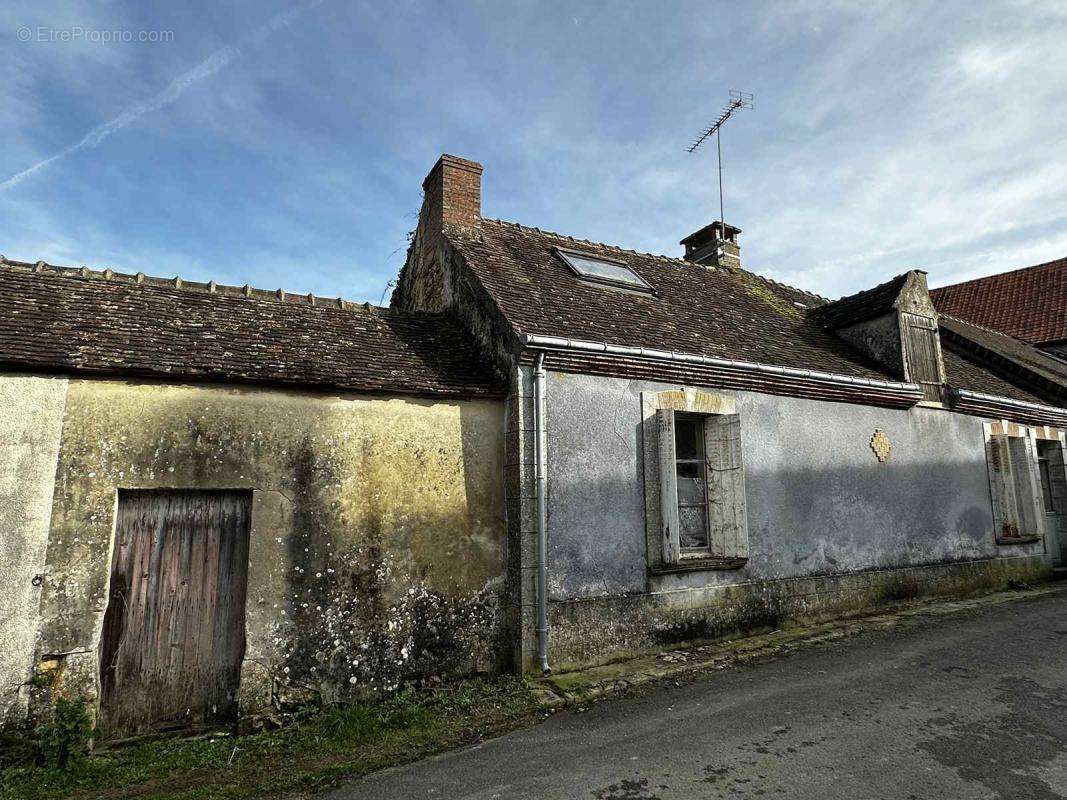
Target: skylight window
<point>603,270</point>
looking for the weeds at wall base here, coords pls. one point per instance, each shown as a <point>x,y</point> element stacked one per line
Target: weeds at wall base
<point>334,742</point>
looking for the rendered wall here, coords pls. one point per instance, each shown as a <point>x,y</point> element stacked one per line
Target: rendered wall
<point>819,502</point>
<point>31,416</point>
<point>377,540</point>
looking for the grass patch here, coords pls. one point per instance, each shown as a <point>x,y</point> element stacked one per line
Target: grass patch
<point>326,746</point>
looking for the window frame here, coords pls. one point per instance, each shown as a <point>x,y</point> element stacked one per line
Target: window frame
<point>703,551</point>
<point>1015,482</point>
<point>641,286</point>
<point>726,530</point>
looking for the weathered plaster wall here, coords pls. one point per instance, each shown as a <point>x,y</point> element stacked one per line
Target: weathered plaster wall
<point>880,339</point>
<point>819,502</point>
<point>31,417</point>
<point>377,541</point>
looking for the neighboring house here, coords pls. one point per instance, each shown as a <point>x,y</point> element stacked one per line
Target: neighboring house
<point>547,453</point>
<point>1027,304</point>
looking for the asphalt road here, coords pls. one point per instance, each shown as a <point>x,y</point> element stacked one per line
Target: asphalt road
<point>972,705</point>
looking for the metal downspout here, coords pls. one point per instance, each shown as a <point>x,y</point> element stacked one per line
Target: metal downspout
<point>540,478</point>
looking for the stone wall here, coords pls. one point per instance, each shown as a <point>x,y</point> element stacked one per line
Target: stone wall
<point>377,545</point>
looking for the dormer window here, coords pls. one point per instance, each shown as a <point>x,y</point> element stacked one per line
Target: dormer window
<point>603,270</point>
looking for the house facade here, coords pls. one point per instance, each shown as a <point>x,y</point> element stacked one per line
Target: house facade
<point>222,501</point>
<point>694,449</point>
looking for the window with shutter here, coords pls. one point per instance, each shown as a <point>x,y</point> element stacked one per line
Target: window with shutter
<point>702,487</point>
<point>1014,489</point>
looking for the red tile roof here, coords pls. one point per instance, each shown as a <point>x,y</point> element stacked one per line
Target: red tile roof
<point>1029,304</point>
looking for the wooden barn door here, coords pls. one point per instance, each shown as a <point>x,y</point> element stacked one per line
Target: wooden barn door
<point>173,638</point>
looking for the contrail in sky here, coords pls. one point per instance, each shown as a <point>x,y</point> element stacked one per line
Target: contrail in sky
<point>205,69</point>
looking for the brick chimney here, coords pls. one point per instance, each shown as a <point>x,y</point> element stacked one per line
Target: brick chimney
<point>451,202</point>
<point>710,247</point>
<point>452,194</point>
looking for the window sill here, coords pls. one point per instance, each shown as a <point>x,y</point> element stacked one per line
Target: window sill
<point>698,565</point>
<point>1019,540</point>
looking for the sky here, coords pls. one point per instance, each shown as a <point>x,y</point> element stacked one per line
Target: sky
<point>284,144</point>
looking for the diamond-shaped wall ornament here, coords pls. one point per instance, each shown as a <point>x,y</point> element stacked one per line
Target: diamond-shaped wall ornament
<point>880,445</point>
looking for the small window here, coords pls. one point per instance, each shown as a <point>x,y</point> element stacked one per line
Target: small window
<point>692,482</point>
<point>1050,465</point>
<point>702,488</point>
<point>603,270</point>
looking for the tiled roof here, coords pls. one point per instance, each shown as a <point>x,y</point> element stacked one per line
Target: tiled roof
<point>83,321</point>
<point>963,370</point>
<point>1028,304</point>
<point>1028,365</point>
<point>861,306</point>
<point>724,313</point>
<point>694,309</point>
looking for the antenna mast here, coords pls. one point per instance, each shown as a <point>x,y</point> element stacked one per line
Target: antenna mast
<point>738,101</point>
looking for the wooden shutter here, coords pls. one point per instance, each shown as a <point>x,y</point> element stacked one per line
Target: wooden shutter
<point>1011,483</point>
<point>921,351</point>
<point>727,512</point>
<point>1057,477</point>
<point>1001,487</point>
<point>1027,492</point>
<point>668,486</point>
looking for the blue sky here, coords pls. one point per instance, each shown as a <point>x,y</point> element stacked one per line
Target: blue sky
<point>284,144</point>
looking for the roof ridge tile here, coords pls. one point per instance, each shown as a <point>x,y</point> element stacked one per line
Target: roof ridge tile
<point>109,275</point>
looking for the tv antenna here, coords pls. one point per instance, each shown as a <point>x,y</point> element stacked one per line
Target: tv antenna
<point>738,102</point>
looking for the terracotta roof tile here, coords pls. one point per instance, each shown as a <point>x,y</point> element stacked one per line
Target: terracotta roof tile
<point>963,370</point>
<point>1028,304</point>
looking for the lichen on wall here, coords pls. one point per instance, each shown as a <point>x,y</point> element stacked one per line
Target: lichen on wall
<point>377,536</point>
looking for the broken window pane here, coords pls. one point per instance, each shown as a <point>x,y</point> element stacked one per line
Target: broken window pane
<point>691,490</point>
<point>693,531</point>
<point>687,437</point>
<point>692,483</point>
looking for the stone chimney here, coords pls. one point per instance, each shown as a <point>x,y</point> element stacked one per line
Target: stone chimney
<point>451,202</point>
<point>709,246</point>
